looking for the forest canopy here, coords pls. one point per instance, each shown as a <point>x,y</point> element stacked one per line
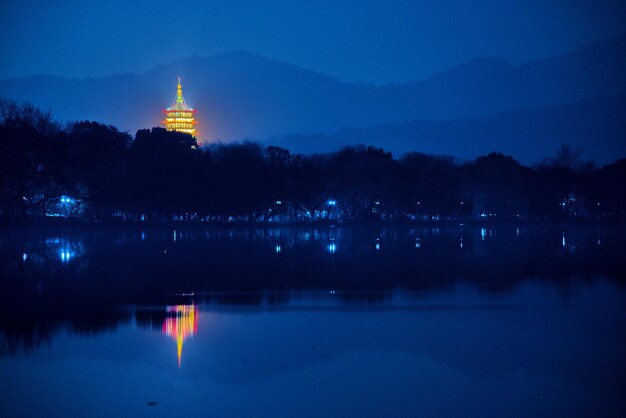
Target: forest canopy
<point>95,173</point>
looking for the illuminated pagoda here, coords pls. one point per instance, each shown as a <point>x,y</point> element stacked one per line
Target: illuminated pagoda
<point>179,116</point>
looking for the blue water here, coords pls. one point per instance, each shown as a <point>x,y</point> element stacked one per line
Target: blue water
<point>513,324</point>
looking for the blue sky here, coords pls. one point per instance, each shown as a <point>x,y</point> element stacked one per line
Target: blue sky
<point>364,41</point>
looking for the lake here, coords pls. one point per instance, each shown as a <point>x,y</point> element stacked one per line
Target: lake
<point>481,321</point>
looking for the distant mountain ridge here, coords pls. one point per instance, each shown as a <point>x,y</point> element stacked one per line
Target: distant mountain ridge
<point>597,126</point>
<point>244,95</point>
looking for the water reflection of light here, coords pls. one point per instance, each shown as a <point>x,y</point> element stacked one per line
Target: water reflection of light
<point>483,233</point>
<point>181,323</point>
<point>417,243</point>
<point>66,255</point>
<point>25,256</point>
<point>277,248</point>
<point>332,248</point>
<point>377,246</point>
<point>563,240</point>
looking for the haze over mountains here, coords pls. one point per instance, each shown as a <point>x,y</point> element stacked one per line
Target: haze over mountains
<point>483,105</point>
<point>597,126</point>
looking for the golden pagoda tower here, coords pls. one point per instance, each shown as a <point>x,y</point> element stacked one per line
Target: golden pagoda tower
<point>179,116</point>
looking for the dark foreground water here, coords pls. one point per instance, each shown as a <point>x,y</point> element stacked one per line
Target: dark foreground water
<point>464,321</point>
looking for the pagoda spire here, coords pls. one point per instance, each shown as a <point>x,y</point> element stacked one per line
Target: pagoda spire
<point>179,92</point>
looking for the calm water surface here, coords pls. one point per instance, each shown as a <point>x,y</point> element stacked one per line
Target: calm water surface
<point>463,321</point>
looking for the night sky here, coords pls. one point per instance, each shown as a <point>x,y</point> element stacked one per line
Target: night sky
<point>370,41</point>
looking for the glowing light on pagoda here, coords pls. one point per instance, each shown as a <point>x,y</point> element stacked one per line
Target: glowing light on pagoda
<point>180,116</point>
<point>181,323</point>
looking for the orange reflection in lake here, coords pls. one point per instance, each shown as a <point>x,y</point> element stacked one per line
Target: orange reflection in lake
<point>181,322</point>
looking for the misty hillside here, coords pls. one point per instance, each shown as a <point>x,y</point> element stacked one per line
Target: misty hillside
<point>597,126</point>
<point>243,95</point>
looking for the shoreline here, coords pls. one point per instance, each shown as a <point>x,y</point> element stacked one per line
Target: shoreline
<point>138,225</point>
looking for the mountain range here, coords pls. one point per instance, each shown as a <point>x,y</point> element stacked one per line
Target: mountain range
<point>596,126</point>
<point>483,105</point>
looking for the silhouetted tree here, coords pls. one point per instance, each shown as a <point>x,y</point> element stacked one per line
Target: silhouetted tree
<point>97,157</point>
<point>97,172</point>
<point>163,170</point>
<point>431,184</point>
<point>29,159</point>
<point>495,186</point>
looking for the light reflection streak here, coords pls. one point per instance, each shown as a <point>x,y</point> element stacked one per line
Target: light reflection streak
<point>66,255</point>
<point>181,323</point>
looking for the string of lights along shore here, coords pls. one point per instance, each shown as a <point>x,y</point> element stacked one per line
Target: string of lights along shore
<point>179,116</point>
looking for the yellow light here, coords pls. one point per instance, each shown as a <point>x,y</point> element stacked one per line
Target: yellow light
<point>180,117</point>
<point>182,323</point>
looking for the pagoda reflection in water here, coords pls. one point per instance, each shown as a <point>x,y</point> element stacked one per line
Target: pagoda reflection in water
<point>181,322</point>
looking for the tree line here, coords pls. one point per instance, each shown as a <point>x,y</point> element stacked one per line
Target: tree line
<point>96,173</point>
